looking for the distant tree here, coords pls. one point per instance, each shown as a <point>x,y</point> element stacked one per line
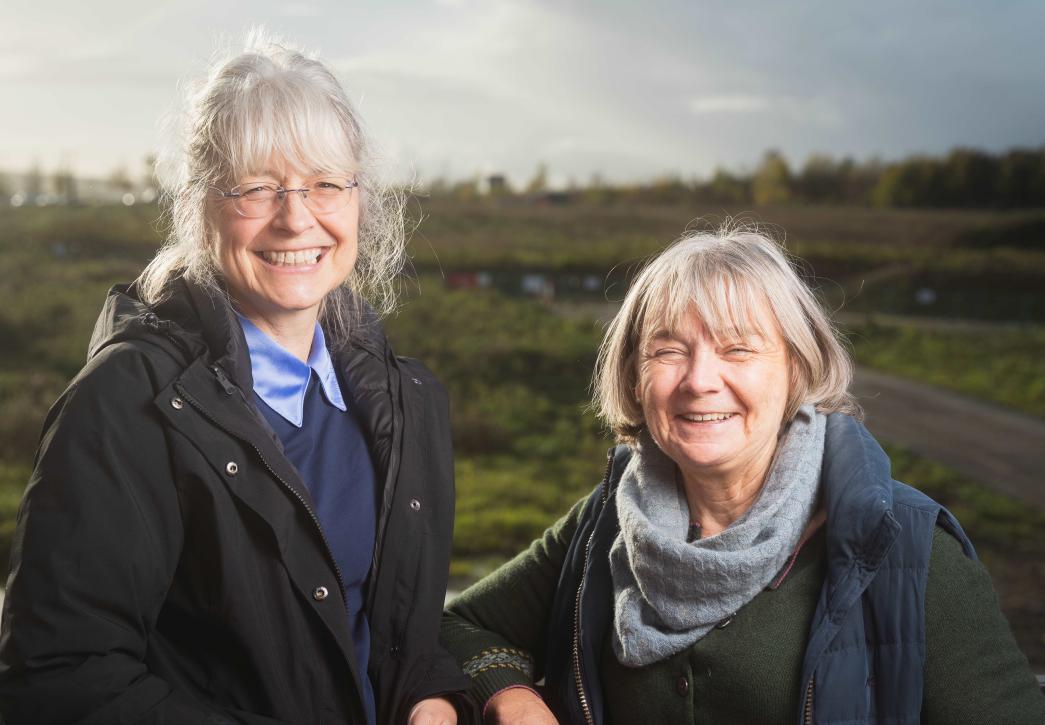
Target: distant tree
<point>598,191</point>
<point>1021,178</point>
<point>859,179</point>
<point>821,180</point>
<point>667,189</point>
<point>772,181</point>
<point>726,188</point>
<point>970,179</point>
<point>33,183</point>
<point>120,180</point>
<point>539,183</point>
<point>439,186</point>
<point>465,190</point>
<point>150,182</point>
<point>64,184</point>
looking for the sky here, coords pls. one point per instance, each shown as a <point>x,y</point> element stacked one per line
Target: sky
<point>626,90</point>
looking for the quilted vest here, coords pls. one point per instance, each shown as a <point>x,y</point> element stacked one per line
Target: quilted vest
<point>866,647</point>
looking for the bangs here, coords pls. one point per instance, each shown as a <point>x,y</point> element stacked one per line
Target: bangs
<point>731,306</point>
<point>279,120</point>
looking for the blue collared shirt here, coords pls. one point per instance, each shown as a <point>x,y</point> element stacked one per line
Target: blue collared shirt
<point>281,379</point>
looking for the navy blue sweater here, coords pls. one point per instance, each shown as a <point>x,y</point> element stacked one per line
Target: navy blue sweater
<point>330,452</point>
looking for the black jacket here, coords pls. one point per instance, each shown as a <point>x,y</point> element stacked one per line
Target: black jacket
<point>168,566</point>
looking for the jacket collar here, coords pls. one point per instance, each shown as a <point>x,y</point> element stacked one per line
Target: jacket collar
<point>208,313</point>
<point>857,491</point>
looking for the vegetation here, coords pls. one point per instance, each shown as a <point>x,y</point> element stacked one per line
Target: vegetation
<point>965,178</point>
<point>518,375</point>
<point>1004,366</point>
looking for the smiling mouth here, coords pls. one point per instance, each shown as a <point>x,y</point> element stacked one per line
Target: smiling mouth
<point>297,258</point>
<point>707,417</point>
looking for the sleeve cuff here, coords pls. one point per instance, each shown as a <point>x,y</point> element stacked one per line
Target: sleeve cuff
<point>505,689</point>
<point>497,669</point>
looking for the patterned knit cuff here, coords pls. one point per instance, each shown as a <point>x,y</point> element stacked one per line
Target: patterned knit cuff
<point>498,668</point>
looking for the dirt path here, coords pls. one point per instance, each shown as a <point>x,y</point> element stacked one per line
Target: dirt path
<point>990,444</point>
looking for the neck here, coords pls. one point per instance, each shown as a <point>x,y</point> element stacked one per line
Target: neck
<point>293,333</point>
<point>716,500</point>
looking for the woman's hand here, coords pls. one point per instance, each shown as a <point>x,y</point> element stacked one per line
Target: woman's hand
<point>433,711</point>
<point>518,706</point>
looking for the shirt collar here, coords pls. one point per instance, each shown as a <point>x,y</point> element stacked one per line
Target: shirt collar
<point>281,380</point>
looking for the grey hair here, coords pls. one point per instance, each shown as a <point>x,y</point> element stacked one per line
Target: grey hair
<point>736,279</point>
<point>271,100</point>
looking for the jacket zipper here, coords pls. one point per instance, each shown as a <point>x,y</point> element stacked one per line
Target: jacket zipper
<point>582,696</point>
<point>326,545</point>
<point>807,711</point>
<point>391,479</point>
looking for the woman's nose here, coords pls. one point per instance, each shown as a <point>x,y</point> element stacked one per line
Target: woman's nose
<point>293,215</point>
<point>703,373</point>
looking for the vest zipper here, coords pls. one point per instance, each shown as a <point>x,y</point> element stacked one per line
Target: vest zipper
<point>326,546</point>
<point>807,710</point>
<point>578,682</point>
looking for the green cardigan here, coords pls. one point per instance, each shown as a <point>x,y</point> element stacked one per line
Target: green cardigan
<point>748,671</point>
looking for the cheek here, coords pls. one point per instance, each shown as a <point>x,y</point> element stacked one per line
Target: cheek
<point>656,383</point>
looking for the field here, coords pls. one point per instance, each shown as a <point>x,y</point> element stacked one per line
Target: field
<point>518,373</point>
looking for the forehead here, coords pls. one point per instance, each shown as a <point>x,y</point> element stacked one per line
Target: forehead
<point>282,172</point>
<point>726,308</point>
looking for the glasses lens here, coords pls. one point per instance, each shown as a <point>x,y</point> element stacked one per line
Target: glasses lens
<point>328,195</point>
<point>256,200</point>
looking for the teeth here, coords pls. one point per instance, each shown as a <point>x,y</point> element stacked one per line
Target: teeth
<point>705,417</point>
<point>291,259</point>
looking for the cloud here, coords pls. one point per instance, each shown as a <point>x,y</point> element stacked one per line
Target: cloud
<point>729,104</point>
<point>299,10</point>
<point>802,111</point>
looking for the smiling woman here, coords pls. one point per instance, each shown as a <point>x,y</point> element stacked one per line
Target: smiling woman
<point>225,523</point>
<point>747,557</point>
<point>283,249</point>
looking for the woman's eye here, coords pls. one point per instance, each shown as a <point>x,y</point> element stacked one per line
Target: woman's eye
<point>256,189</point>
<point>328,186</point>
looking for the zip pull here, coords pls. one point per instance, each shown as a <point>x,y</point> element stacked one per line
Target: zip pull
<point>227,385</point>
<point>152,321</point>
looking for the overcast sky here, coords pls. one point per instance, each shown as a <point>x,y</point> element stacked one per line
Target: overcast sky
<point>626,89</point>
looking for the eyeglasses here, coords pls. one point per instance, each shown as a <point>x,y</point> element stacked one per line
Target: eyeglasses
<point>261,199</point>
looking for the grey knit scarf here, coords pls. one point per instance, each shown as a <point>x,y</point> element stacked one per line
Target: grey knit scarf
<point>669,593</point>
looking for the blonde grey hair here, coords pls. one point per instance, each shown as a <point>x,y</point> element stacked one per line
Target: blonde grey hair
<point>738,281</point>
<point>271,101</point>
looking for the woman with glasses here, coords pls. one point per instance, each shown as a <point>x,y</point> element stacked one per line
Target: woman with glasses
<point>242,506</point>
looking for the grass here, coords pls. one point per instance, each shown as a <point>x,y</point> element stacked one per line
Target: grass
<point>1004,366</point>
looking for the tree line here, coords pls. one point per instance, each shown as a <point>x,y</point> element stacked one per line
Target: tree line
<point>963,178</point>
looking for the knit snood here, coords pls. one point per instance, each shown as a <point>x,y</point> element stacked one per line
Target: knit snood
<point>669,593</point>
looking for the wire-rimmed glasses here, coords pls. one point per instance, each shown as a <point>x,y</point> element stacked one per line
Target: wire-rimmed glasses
<point>256,199</point>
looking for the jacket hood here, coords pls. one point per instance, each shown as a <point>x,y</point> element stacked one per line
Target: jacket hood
<point>125,317</point>
<point>194,321</point>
